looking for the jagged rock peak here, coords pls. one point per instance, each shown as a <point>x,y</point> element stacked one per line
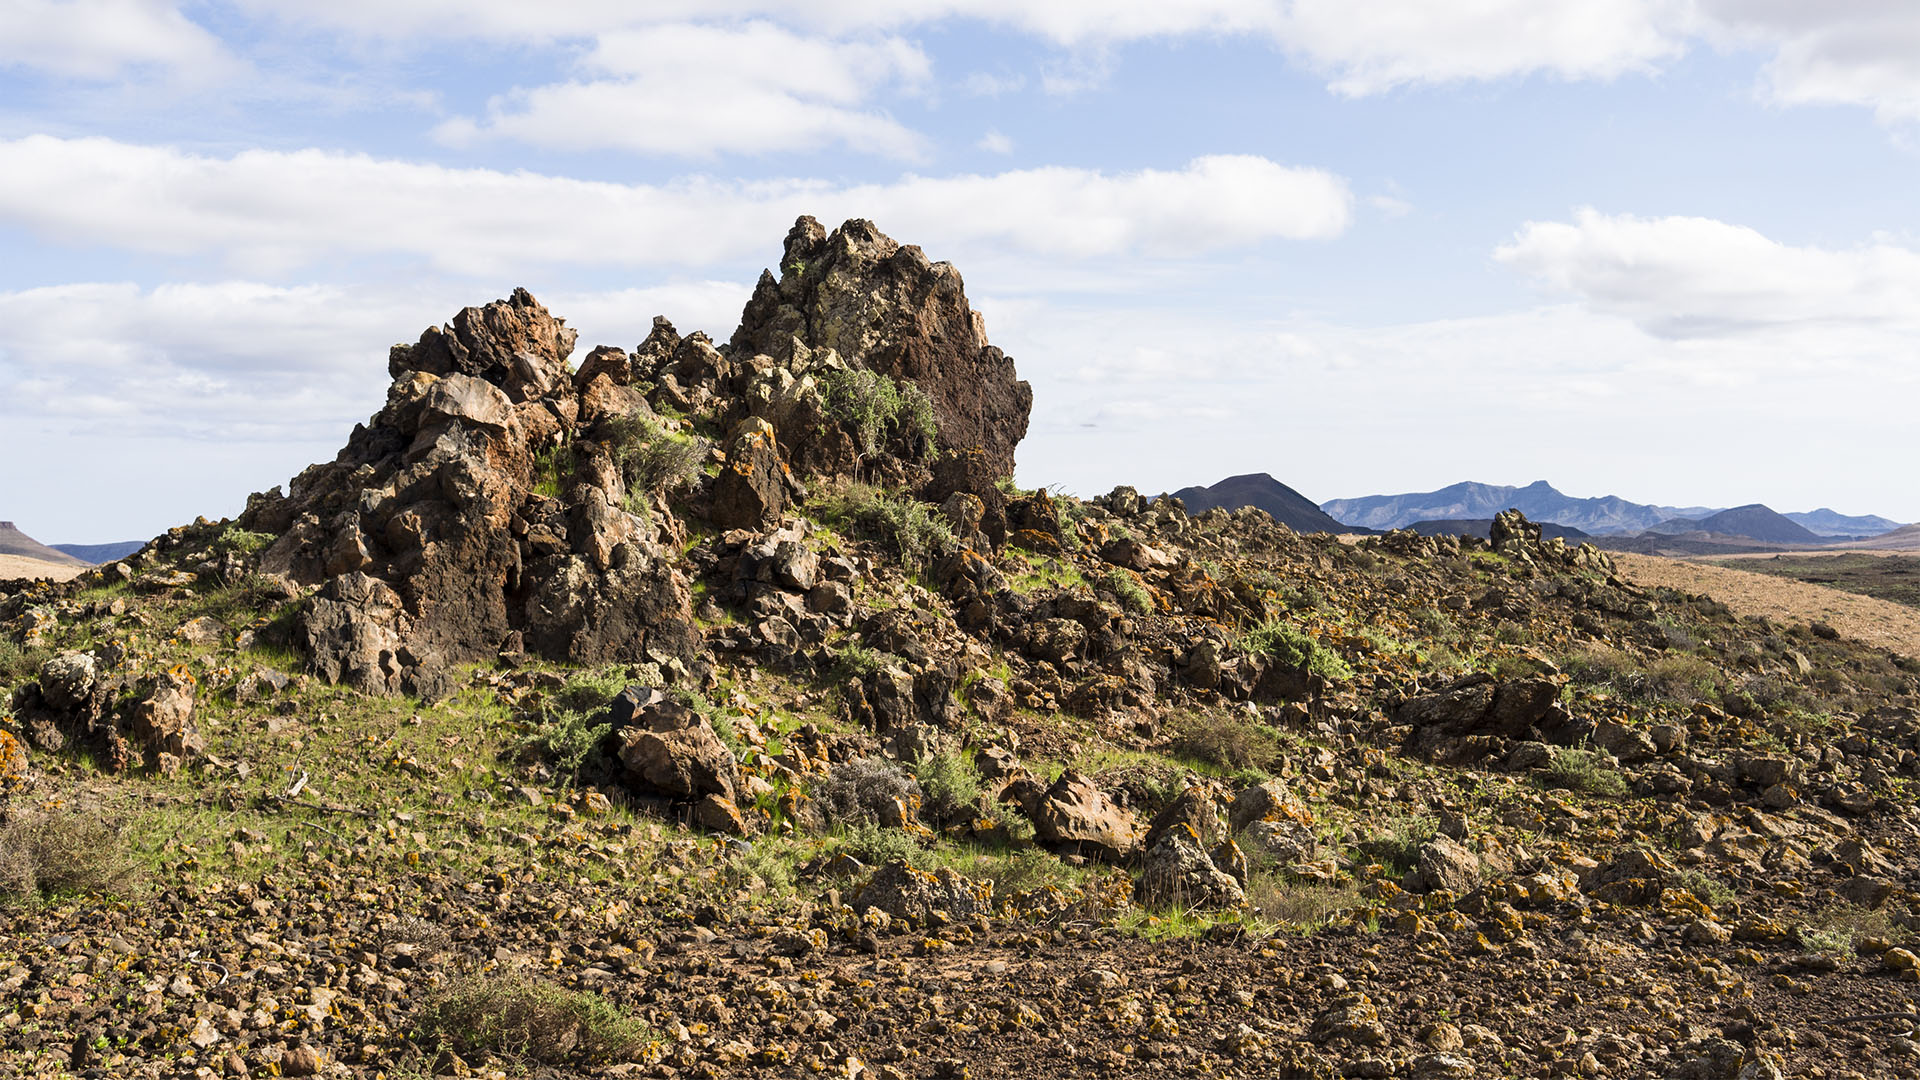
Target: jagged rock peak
<point>885,306</point>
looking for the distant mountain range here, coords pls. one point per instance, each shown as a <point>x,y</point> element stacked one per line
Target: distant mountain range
<point>101,553</point>
<point>1825,522</point>
<point>1603,516</point>
<point>1288,507</point>
<point>1538,500</point>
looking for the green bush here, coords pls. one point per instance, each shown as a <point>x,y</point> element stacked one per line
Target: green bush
<point>878,409</point>
<point>1293,647</point>
<point>1585,770</point>
<point>950,785</point>
<point>901,521</point>
<point>551,469</point>
<point>234,539</point>
<point>573,722</point>
<point>519,1017</point>
<point>652,461</point>
<point>1396,842</point>
<point>1127,589</point>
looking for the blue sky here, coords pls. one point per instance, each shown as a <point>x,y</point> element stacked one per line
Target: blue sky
<point>1665,249</point>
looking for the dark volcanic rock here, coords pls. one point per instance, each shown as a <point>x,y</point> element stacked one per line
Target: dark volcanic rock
<point>886,306</point>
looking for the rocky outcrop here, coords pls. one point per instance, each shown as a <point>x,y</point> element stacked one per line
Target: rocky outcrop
<point>885,306</point>
<point>477,506</point>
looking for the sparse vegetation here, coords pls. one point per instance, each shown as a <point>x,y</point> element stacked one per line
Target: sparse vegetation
<point>905,524</point>
<point>520,1018</point>
<point>652,461</point>
<point>950,784</point>
<point>1126,588</point>
<point>879,410</point>
<point>1589,771</point>
<point>857,792</point>
<point>61,849</point>
<point>1287,644</point>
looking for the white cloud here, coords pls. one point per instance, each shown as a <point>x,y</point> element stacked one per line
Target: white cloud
<point>699,91</point>
<point>1373,47</point>
<point>246,360</point>
<point>99,39</point>
<point>1836,52</point>
<point>995,143</point>
<point>1067,22</point>
<point>1690,277</point>
<point>1390,206</point>
<point>278,210</point>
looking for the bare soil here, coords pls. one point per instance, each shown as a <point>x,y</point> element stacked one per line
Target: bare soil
<point>14,566</point>
<point>1862,618</point>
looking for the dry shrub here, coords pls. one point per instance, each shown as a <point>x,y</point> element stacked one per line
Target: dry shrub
<point>856,792</point>
<point>1306,906</point>
<point>519,1017</point>
<point>56,850</point>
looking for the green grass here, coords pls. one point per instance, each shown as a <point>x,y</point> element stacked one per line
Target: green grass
<point>904,524</point>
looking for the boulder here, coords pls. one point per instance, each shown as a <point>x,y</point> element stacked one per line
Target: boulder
<point>906,893</point>
<point>67,681</point>
<point>887,307</point>
<point>1448,864</point>
<point>1270,800</point>
<point>1074,815</point>
<point>754,484</point>
<point>162,718</point>
<point>1179,873</point>
<point>678,757</point>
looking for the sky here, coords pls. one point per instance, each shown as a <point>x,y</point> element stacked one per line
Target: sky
<point>1660,249</point>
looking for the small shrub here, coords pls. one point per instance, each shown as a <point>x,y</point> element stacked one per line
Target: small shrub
<point>854,792</point>
<point>573,723</point>
<point>551,469</point>
<point>1225,742</point>
<point>950,785</point>
<point>1710,891</point>
<point>1397,842</point>
<point>1585,770</point>
<point>876,846</point>
<point>1838,928</point>
<point>1126,588</point>
<point>1273,896</point>
<point>902,521</point>
<point>879,409</point>
<point>56,851</point>
<point>236,540</point>
<point>519,1017</point>
<point>1436,624</point>
<point>1289,645</point>
<point>1024,871</point>
<point>652,461</point>
<point>21,663</point>
<point>854,661</point>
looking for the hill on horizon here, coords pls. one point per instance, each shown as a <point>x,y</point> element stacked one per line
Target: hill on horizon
<point>20,545</point>
<point>1287,506</point>
<point>1754,521</point>
<point>101,553</point>
<point>1827,522</point>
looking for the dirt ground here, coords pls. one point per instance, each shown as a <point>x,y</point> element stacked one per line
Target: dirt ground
<point>1862,618</point>
<point>13,566</point>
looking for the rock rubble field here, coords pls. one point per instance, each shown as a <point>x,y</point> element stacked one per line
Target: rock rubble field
<point>725,709</point>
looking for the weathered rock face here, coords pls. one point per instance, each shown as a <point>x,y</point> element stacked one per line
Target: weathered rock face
<point>886,306</point>
<point>432,540</point>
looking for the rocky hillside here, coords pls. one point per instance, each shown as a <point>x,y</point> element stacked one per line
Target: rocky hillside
<point>724,710</point>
